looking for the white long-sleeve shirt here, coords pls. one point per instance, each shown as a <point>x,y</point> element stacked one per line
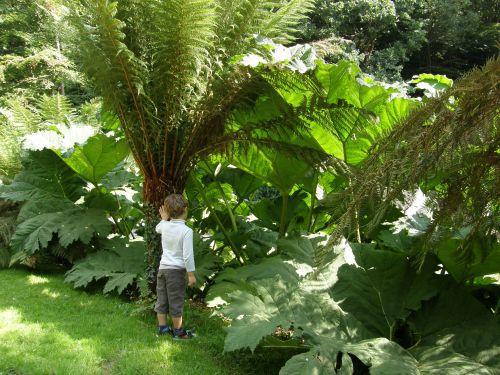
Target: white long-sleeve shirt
<point>177,245</point>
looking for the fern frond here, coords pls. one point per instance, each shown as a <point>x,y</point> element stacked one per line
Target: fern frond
<point>115,69</point>
<point>282,25</point>
<point>21,117</point>
<point>184,32</point>
<point>241,19</point>
<point>55,109</point>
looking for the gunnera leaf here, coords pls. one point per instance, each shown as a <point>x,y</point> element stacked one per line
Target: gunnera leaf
<point>382,288</point>
<point>121,263</point>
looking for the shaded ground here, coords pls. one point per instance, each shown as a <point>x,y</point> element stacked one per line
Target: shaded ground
<point>47,327</point>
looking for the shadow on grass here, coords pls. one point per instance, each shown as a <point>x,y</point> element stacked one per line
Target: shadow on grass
<point>48,327</point>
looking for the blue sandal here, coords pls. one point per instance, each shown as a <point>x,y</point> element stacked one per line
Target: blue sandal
<point>182,334</point>
<point>167,330</point>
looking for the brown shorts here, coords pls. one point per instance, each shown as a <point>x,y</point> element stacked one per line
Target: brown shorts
<point>170,292</point>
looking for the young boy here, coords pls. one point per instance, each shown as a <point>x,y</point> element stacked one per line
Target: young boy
<point>176,260</point>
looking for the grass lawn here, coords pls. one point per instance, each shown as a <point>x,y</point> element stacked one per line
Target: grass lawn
<point>47,327</point>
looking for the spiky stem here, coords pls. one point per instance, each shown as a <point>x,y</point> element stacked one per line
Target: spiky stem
<point>236,253</point>
<point>313,201</point>
<point>284,213</point>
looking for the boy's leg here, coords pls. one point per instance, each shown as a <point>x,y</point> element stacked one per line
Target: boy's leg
<point>176,289</point>
<point>162,319</point>
<point>177,322</point>
<point>161,306</point>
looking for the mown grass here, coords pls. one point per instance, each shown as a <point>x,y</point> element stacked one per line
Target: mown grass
<point>47,327</point>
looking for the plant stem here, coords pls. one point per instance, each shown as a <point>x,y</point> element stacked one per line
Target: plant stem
<point>228,207</point>
<point>313,201</point>
<point>237,254</point>
<point>110,213</point>
<point>127,228</point>
<point>284,213</point>
<point>226,202</point>
<point>391,331</point>
<point>356,218</point>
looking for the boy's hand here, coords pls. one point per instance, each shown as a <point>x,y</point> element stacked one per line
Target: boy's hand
<point>163,213</point>
<point>191,279</point>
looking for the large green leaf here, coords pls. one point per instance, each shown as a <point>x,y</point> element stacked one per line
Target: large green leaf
<point>437,360</point>
<point>320,360</point>
<point>459,323</point>
<point>207,263</point>
<point>98,156</point>
<point>268,211</point>
<point>231,279</point>
<point>431,84</point>
<point>450,254</point>
<point>71,224</point>
<point>301,248</point>
<point>50,189</point>
<point>120,263</point>
<point>279,169</point>
<point>45,178</point>
<point>363,112</point>
<point>383,357</point>
<point>345,112</point>
<point>295,262</point>
<point>275,303</point>
<point>243,183</point>
<point>380,356</point>
<point>383,288</point>
<point>271,303</point>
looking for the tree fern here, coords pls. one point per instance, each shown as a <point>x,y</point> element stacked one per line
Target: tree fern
<point>165,69</point>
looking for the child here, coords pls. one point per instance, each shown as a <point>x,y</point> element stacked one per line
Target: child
<point>176,260</point>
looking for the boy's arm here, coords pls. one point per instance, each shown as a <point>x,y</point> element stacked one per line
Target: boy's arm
<point>164,218</point>
<point>187,252</point>
<point>158,227</point>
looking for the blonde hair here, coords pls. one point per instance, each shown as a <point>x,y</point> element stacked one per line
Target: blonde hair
<point>175,204</point>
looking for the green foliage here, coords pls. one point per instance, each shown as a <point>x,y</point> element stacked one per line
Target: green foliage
<point>450,160</point>
<point>173,108</point>
<point>274,303</point>
<point>458,323</point>
<point>400,39</point>
<point>47,179</point>
<point>432,84</point>
<point>297,255</point>
<point>120,263</point>
<point>449,252</point>
<point>7,229</point>
<point>52,192</point>
<point>97,157</point>
<point>50,189</point>
<point>70,224</point>
<point>384,307</point>
<point>381,356</point>
<point>207,263</point>
<point>165,69</point>
<point>36,51</point>
<point>368,288</point>
<point>344,112</point>
<point>272,166</point>
<point>51,122</point>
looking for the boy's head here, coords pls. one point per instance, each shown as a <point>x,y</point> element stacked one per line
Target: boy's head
<point>176,206</point>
